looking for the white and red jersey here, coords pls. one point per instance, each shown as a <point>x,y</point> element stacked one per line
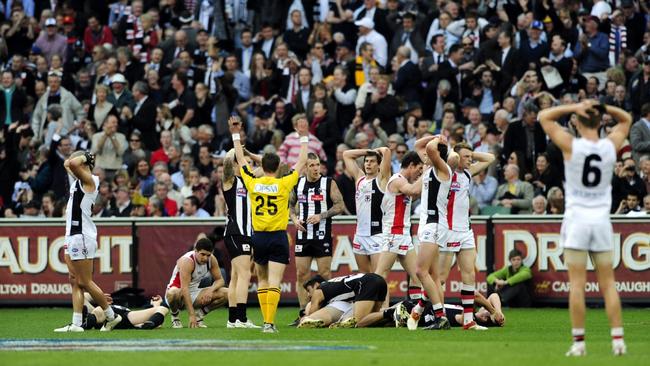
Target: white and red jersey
<point>397,211</point>
<point>368,198</point>
<point>199,271</point>
<point>454,211</point>
<point>434,194</point>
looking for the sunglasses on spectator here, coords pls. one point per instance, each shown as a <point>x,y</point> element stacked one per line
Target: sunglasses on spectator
<point>467,44</point>
<point>134,140</point>
<point>400,151</point>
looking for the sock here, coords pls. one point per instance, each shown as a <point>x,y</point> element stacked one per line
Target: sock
<point>175,314</point>
<point>389,313</point>
<point>578,335</point>
<point>437,310</point>
<point>154,321</point>
<point>617,335</point>
<point>415,293</point>
<point>467,297</point>
<point>425,296</point>
<point>202,312</point>
<point>110,315</point>
<point>272,305</point>
<point>232,314</point>
<point>77,319</point>
<point>418,308</point>
<point>262,297</point>
<point>301,313</point>
<point>241,312</point>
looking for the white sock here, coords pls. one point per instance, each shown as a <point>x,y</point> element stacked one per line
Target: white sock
<point>617,336</point>
<point>175,315</point>
<point>77,319</point>
<point>110,315</point>
<point>578,335</point>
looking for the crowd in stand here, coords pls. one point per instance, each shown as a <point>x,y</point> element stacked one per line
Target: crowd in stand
<point>148,86</point>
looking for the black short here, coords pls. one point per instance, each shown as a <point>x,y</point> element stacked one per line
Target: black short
<point>237,245</point>
<point>270,246</point>
<point>125,323</point>
<point>314,248</point>
<point>373,288</point>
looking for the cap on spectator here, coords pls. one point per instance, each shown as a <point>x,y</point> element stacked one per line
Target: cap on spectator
<point>68,19</point>
<point>537,25</point>
<point>593,18</point>
<point>365,22</point>
<point>469,103</point>
<point>218,154</point>
<point>547,20</point>
<point>55,73</point>
<point>50,22</point>
<point>198,187</point>
<point>186,17</point>
<point>36,50</point>
<point>118,78</point>
<point>627,3</point>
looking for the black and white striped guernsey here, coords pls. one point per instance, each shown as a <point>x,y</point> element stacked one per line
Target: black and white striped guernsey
<point>78,213</point>
<point>239,209</point>
<point>313,199</point>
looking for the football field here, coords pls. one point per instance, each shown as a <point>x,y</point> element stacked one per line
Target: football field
<point>530,337</point>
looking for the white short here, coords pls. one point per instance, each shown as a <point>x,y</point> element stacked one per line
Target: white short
<point>367,245</point>
<point>194,293</point>
<point>80,247</point>
<point>428,233</point>
<point>593,237</point>
<point>454,241</point>
<point>342,306</point>
<point>398,244</point>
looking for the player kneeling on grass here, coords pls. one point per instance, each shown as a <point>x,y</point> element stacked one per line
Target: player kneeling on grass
<point>367,291</point>
<point>185,290</point>
<point>150,318</point>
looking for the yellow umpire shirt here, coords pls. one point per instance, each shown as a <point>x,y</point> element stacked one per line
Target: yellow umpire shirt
<point>269,199</point>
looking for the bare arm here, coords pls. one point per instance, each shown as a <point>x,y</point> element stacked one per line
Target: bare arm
<point>420,147</point>
<point>442,171</point>
<point>235,127</point>
<point>622,129</point>
<point>185,269</point>
<point>256,158</point>
<point>548,118</point>
<point>302,127</point>
<point>316,300</point>
<point>293,214</point>
<point>385,167</point>
<point>350,162</point>
<point>401,185</point>
<point>75,166</point>
<point>216,274</point>
<point>338,206</point>
<point>484,160</point>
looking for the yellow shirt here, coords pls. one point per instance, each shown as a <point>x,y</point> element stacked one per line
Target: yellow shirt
<point>269,199</point>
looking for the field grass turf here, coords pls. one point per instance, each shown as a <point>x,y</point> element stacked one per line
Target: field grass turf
<point>531,337</point>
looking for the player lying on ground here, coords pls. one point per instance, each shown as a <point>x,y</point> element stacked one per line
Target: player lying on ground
<point>150,318</point>
<point>189,289</point>
<point>367,291</point>
<point>487,314</point>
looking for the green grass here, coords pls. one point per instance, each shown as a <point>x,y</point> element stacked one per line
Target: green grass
<point>531,337</point>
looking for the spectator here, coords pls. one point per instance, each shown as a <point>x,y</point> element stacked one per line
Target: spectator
<point>626,182</point>
<point>12,100</point>
<point>123,205</point>
<point>644,211</point>
<point>630,205</point>
<point>449,70</point>
<point>525,135</point>
<point>472,135</point>
<point>296,37</point>
<point>161,153</point>
<point>72,110</point>
<point>109,147</point>
<point>51,42</point>
<point>408,79</point>
<point>290,148</point>
<point>644,163</point>
<point>512,281</point>
<point>102,108</point>
<point>514,194</point>
<point>593,50</point>
<point>120,96</point>
<point>382,106</point>
<point>545,176</point>
<point>483,189</point>
<point>539,205</point>
<point>181,99</point>
<point>143,116</point>
<point>640,134</point>
<point>191,208</point>
<point>408,36</point>
<point>325,128</point>
<point>371,36</point>
<point>96,34</point>
<point>170,206</point>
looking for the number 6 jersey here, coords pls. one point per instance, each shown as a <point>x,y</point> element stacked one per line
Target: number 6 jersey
<point>588,179</point>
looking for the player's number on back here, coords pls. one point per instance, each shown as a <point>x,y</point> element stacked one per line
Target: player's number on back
<point>272,207</point>
<point>591,175</point>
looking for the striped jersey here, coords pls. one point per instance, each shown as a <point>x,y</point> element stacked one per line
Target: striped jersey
<point>397,210</point>
<point>454,211</point>
<point>343,288</point>
<point>368,199</point>
<point>239,209</point>
<point>313,199</point>
<point>199,271</point>
<point>79,211</point>
<point>434,193</point>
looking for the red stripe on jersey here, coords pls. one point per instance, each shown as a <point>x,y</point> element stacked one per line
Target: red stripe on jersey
<point>177,281</point>
<point>359,181</point>
<point>398,219</point>
<point>450,202</point>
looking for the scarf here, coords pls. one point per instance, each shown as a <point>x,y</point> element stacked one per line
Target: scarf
<point>614,51</point>
<point>359,73</point>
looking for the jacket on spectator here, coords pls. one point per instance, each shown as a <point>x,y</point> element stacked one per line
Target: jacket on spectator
<point>18,102</point>
<point>109,157</point>
<point>515,139</point>
<point>145,122</point>
<point>522,199</point>
<point>407,83</point>
<point>640,139</point>
<point>72,111</point>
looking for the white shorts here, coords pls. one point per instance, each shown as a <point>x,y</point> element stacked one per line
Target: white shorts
<point>592,237</point>
<point>398,244</point>
<point>194,293</point>
<point>367,245</point>
<point>342,306</point>
<point>80,247</point>
<point>428,233</point>
<point>453,241</point>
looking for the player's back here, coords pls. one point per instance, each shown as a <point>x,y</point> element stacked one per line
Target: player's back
<point>588,179</point>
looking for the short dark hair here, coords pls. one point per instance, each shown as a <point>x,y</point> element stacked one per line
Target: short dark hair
<point>455,48</point>
<point>593,121</point>
<point>193,200</point>
<point>462,145</point>
<point>434,39</point>
<point>411,158</point>
<point>182,77</point>
<point>515,253</point>
<point>373,154</point>
<point>204,244</point>
<point>270,162</point>
<point>312,281</point>
<point>312,156</point>
<point>645,109</point>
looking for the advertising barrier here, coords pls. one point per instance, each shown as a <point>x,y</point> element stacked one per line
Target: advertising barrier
<point>539,239</point>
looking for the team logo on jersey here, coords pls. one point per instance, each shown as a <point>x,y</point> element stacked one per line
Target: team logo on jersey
<point>298,248</point>
<point>455,186</point>
<point>326,245</point>
<point>316,197</point>
<point>246,247</point>
<point>241,192</point>
<point>302,198</point>
<point>266,188</point>
<point>320,233</point>
<point>455,244</point>
<point>425,184</point>
<point>75,250</point>
<point>403,247</point>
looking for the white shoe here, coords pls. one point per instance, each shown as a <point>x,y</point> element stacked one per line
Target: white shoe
<point>176,323</point>
<point>473,326</point>
<point>413,320</point>
<point>269,328</point>
<point>577,350</point>
<point>69,328</point>
<point>201,324</point>
<point>619,348</point>
<point>401,315</point>
<point>309,323</point>
<point>246,325</point>
<point>231,325</point>
<point>109,325</point>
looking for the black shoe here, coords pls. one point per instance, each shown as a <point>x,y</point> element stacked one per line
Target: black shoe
<point>439,324</point>
<point>148,325</point>
<point>295,322</point>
